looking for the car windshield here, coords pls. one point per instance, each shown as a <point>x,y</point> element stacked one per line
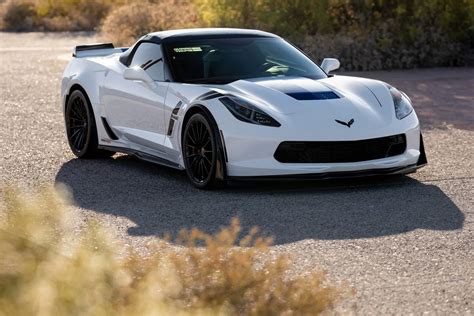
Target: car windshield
<point>223,60</point>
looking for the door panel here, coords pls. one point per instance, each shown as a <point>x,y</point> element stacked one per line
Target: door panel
<point>134,108</point>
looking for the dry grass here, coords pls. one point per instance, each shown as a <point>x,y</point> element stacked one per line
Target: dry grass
<point>42,273</point>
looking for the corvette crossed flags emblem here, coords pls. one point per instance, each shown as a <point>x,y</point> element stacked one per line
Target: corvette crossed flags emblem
<point>348,124</point>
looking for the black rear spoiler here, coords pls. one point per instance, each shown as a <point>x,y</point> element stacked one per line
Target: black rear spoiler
<point>94,50</point>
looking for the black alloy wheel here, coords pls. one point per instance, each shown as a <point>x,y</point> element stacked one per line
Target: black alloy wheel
<point>200,152</point>
<point>81,128</point>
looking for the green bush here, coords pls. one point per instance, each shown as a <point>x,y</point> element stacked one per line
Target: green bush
<point>381,49</point>
<point>365,35</point>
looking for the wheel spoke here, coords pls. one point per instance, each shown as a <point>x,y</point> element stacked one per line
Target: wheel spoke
<point>197,170</point>
<point>75,117</point>
<point>196,134</point>
<point>203,130</point>
<point>192,140</point>
<point>207,159</point>
<point>82,139</point>
<point>76,133</point>
<point>77,140</point>
<point>207,142</point>
<point>201,170</point>
<point>76,111</point>
<point>205,168</point>
<point>194,162</point>
<point>83,109</point>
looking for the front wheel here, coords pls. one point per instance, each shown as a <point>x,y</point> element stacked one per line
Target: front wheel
<point>200,152</point>
<point>81,128</point>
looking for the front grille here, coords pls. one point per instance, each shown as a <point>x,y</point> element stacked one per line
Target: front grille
<point>345,151</point>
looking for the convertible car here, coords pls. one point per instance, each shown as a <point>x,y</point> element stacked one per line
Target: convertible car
<point>229,104</point>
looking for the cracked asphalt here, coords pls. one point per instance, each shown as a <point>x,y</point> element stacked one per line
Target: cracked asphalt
<point>404,243</point>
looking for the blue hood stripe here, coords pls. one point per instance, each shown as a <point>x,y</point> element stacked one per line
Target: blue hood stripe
<point>302,89</point>
<point>304,96</point>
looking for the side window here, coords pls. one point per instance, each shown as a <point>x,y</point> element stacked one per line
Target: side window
<point>149,57</point>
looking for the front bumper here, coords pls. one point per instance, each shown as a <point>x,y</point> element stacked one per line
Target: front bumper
<point>263,162</point>
<point>333,175</point>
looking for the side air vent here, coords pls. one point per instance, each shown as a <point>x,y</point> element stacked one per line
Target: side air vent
<point>109,131</point>
<point>306,96</point>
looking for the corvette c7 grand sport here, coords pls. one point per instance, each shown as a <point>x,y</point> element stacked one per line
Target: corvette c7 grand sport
<point>229,104</point>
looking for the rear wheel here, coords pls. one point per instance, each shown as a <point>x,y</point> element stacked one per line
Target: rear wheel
<point>200,152</point>
<point>81,128</point>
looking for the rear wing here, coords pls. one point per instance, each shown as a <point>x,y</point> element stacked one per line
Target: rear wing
<point>96,50</point>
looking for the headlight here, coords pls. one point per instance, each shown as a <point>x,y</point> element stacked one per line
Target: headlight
<point>401,102</point>
<point>247,112</point>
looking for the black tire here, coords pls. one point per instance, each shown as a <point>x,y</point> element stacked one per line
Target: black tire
<point>200,152</point>
<point>81,128</point>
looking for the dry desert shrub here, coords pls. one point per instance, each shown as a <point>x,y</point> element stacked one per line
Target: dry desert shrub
<point>17,16</point>
<point>44,270</point>
<point>130,21</point>
<point>56,16</point>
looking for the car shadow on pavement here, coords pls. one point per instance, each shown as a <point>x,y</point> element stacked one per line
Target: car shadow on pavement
<point>160,200</point>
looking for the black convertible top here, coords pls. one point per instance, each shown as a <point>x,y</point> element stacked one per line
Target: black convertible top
<point>188,34</point>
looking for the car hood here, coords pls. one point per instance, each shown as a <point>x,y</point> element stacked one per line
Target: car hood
<point>319,101</point>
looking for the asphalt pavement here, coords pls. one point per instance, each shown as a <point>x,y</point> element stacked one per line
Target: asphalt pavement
<point>404,243</point>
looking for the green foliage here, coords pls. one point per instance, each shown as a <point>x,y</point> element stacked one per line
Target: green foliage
<point>309,17</point>
<point>280,16</point>
<point>229,13</point>
<point>364,34</point>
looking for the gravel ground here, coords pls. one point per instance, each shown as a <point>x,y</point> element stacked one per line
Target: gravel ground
<point>404,243</point>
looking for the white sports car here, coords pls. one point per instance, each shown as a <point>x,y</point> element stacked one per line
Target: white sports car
<point>227,104</point>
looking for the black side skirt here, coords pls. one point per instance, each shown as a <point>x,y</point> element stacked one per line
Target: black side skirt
<point>143,156</point>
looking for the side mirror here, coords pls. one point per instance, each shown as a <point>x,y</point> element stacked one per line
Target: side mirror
<point>137,73</point>
<point>330,64</point>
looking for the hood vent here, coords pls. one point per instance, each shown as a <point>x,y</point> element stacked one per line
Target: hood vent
<point>306,96</point>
